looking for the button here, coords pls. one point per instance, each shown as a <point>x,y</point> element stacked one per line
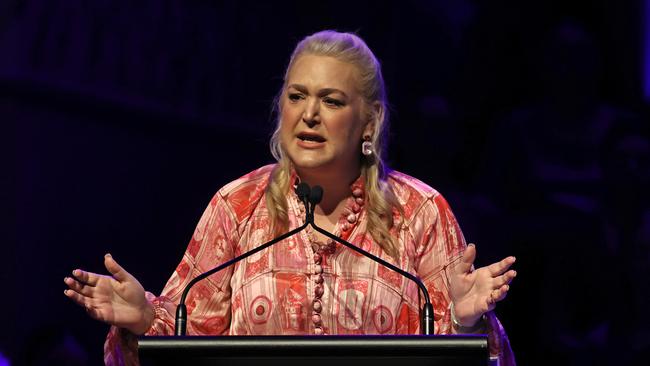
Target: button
<point>319,279</point>
<point>346,226</point>
<point>316,318</point>
<point>318,331</point>
<point>357,192</point>
<point>318,269</point>
<point>318,258</point>
<point>359,200</point>
<point>318,291</point>
<point>352,218</point>
<point>317,306</point>
<point>356,208</point>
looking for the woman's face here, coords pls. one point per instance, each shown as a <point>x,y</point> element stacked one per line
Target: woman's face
<point>323,115</point>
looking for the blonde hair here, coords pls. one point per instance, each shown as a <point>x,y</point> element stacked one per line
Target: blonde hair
<point>380,199</point>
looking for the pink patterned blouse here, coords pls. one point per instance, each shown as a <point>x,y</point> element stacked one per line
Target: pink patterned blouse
<point>303,286</point>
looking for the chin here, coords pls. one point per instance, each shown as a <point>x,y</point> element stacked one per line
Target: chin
<point>306,158</point>
<point>308,163</point>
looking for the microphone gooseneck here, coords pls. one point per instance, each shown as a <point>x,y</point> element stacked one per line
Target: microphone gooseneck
<point>315,196</point>
<point>427,326</point>
<point>180,329</point>
<point>310,198</point>
<point>427,316</point>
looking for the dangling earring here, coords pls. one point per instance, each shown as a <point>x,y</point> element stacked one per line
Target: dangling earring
<point>366,146</point>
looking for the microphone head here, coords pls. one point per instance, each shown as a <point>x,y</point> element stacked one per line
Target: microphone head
<point>302,191</point>
<point>316,195</point>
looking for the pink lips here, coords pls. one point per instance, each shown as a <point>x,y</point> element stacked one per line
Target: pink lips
<point>309,140</point>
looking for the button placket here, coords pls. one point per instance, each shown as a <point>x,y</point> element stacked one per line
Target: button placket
<point>319,250</point>
<point>317,305</point>
<point>347,221</point>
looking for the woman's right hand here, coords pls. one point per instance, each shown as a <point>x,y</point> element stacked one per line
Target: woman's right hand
<point>117,300</point>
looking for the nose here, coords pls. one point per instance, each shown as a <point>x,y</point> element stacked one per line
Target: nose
<point>310,115</point>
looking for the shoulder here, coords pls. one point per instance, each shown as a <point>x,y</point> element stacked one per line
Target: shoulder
<point>410,185</point>
<point>244,194</point>
<point>416,196</point>
<point>427,215</point>
<point>253,180</point>
<point>411,191</point>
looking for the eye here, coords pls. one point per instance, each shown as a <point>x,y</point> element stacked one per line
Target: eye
<point>294,97</point>
<point>333,102</point>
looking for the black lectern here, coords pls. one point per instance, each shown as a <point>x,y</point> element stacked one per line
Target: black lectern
<point>409,350</point>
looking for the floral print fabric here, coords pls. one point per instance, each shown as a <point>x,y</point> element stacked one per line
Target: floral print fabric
<point>288,289</point>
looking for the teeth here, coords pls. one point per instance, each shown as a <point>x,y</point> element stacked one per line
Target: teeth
<point>311,138</point>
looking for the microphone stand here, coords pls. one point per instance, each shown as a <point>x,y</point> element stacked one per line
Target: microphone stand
<point>427,320</point>
<point>180,327</point>
<point>310,198</point>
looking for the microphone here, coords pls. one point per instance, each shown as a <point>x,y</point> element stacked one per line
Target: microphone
<point>315,196</point>
<point>303,192</point>
<point>426,316</point>
<point>180,328</point>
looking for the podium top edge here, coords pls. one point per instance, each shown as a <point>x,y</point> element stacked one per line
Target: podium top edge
<point>272,344</point>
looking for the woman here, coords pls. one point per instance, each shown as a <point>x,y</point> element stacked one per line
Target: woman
<point>331,127</point>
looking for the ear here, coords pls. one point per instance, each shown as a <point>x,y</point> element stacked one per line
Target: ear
<point>374,114</point>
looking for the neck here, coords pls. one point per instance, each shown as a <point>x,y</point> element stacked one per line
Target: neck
<point>335,184</point>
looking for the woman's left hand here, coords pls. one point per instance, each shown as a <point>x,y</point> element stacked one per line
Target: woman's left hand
<point>475,292</point>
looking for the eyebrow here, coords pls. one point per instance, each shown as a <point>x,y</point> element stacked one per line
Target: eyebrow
<point>321,92</point>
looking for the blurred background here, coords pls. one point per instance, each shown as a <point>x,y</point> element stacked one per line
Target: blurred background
<point>120,120</point>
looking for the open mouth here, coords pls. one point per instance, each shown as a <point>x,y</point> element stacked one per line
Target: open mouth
<point>310,137</point>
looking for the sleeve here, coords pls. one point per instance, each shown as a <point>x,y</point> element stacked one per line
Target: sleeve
<point>208,303</point>
<point>441,243</point>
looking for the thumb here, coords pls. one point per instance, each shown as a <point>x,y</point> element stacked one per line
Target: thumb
<point>466,262</point>
<point>119,273</point>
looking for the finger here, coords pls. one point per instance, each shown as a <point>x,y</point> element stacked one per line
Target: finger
<point>84,302</point>
<point>115,269</point>
<point>501,293</point>
<point>466,262</point>
<point>94,313</point>
<point>78,287</point>
<point>78,298</point>
<point>505,278</point>
<point>87,278</point>
<point>497,295</point>
<point>498,268</point>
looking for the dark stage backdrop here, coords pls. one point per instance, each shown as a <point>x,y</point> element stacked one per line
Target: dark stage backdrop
<point>121,119</point>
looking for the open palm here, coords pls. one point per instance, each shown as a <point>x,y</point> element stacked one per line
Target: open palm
<point>117,300</point>
<point>475,292</point>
